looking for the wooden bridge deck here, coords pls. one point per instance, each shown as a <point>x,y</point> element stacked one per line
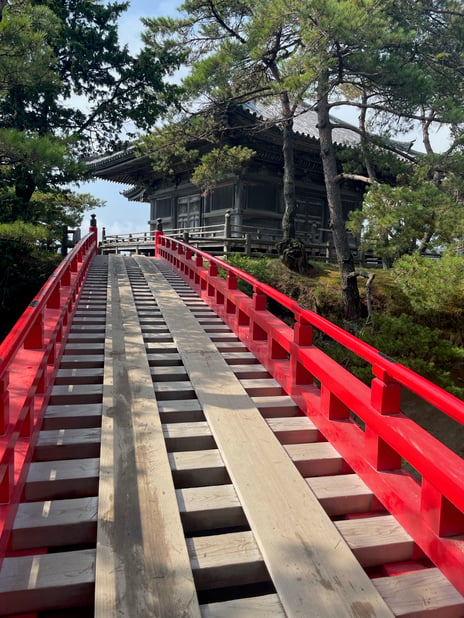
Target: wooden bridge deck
<point>174,477</point>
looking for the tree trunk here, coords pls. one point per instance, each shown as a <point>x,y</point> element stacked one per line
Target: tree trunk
<point>349,285</point>
<point>288,219</point>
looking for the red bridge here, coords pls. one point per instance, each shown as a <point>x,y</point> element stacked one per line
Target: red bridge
<point>169,447</point>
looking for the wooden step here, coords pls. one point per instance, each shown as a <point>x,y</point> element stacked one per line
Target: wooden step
<point>85,337</point>
<point>188,436</point>
<point>207,508</point>
<point>82,361</point>
<point>79,375</point>
<point>240,358</point>
<point>226,560</point>
<point>252,607</point>
<point>267,387</point>
<point>198,468</point>
<point>316,459</point>
<point>161,348</point>
<point>425,594</point>
<point>163,360</point>
<point>44,582</point>
<point>250,372</point>
<point>76,393</point>
<point>342,494</point>
<point>67,444</point>
<point>377,540</point>
<point>83,348</point>
<point>223,337</point>
<point>174,390</point>
<point>70,416</point>
<point>168,374</point>
<point>276,406</point>
<point>51,480</point>
<point>294,430</point>
<point>180,411</point>
<point>55,522</point>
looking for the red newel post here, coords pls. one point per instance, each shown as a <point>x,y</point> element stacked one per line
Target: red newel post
<point>158,235</point>
<point>94,230</point>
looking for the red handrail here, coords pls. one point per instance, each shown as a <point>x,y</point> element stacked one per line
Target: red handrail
<point>28,363</point>
<point>432,509</point>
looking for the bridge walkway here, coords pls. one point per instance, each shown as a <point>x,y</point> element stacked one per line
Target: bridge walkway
<point>174,477</point>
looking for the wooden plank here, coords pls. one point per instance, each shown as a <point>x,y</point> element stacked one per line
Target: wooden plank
<point>168,374</point>
<point>255,607</point>
<point>198,468</point>
<point>342,493</point>
<point>310,564</point>
<point>180,411</point>
<point>250,372</point>
<point>174,390</point>
<point>225,560</point>
<point>424,594</point>
<point>266,387</point>
<point>188,436</point>
<point>82,360</point>
<point>71,416</point>
<point>79,375</point>
<point>67,444</point>
<point>142,564</point>
<point>46,582</point>
<point>161,360</point>
<point>206,508</point>
<point>51,480</point>
<point>377,540</point>
<point>83,348</point>
<point>54,523</point>
<point>294,430</point>
<point>236,358</point>
<point>76,393</point>
<point>276,406</point>
<point>315,459</point>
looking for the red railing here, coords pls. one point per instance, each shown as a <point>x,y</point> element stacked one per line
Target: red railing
<point>430,509</point>
<point>28,362</point>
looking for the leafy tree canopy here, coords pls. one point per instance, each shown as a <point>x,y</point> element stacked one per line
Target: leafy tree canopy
<point>68,87</point>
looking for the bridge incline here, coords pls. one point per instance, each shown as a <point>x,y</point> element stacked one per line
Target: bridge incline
<point>174,476</point>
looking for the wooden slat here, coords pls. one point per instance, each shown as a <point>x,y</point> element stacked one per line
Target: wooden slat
<point>174,390</point>
<point>377,540</point>
<point>282,405</point>
<point>425,594</point>
<point>54,523</point>
<point>71,416</point>
<point>205,508</point>
<point>225,560</point>
<point>316,459</point>
<point>180,411</point>
<point>49,480</point>
<point>250,372</point>
<point>67,444</point>
<point>188,436</point>
<point>342,493</point>
<point>82,360</point>
<point>266,387</point>
<point>45,582</point>
<point>294,430</point>
<point>198,468</point>
<point>76,393</point>
<point>142,564</point>
<point>310,564</point>
<point>253,607</point>
<point>79,376</point>
<point>168,374</point>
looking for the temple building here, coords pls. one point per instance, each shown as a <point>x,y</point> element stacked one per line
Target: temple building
<point>252,197</point>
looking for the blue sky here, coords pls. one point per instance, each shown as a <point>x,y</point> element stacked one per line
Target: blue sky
<point>121,216</point>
